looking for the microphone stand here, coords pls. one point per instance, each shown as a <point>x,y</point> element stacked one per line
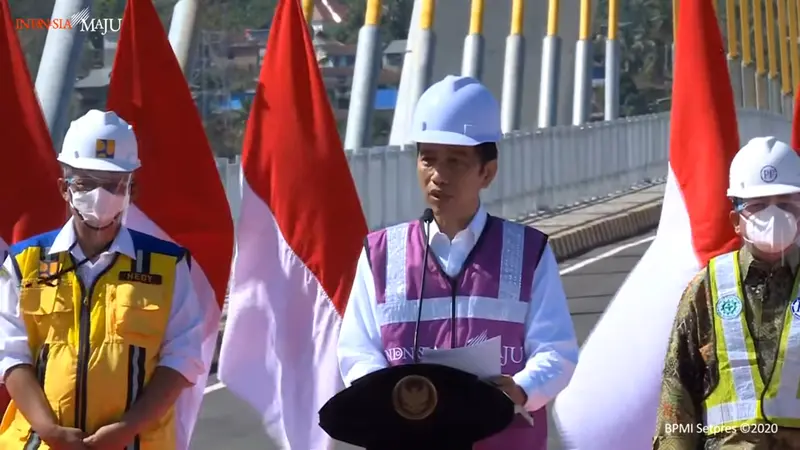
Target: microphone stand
<point>427,218</point>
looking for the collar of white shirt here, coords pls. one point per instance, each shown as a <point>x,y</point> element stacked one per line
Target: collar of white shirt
<point>469,234</point>
<point>66,241</point>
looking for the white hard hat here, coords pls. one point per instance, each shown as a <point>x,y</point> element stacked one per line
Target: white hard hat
<point>764,167</point>
<point>102,141</point>
<point>456,111</point>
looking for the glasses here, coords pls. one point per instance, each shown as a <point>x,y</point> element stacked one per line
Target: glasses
<point>789,203</point>
<point>112,184</point>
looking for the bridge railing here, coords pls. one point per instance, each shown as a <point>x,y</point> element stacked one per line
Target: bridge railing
<point>539,171</point>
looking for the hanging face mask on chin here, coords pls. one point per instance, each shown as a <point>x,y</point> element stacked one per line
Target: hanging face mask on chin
<point>771,230</point>
<point>98,207</point>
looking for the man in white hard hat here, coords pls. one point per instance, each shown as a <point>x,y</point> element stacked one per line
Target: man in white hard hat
<point>733,367</point>
<point>486,277</point>
<point>98,327</point>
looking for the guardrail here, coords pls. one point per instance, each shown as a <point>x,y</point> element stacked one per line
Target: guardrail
<point>539,171</point>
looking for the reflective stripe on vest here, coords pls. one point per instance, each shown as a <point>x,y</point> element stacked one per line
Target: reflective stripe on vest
<point>737,398</point>
<point>97,344</point>
<point>397,309</point>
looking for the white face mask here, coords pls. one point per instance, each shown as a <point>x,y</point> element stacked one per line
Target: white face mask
<point>771,230</point>
<point>98,207</point>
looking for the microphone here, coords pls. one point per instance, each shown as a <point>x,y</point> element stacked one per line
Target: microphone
<point>427,218</point>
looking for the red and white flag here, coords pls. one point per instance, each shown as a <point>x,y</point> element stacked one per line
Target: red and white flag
<point>299,236</point>
<point>180,194</point>
<point>612,401</point>
<point>30,203</point>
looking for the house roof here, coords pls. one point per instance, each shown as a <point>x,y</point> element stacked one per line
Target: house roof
<point>336,48</point>
<point>97,78</point>
<point>397,46</point>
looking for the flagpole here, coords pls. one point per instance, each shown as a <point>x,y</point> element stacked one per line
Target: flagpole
<point>794,55</point>
<point>734,67</point>
<point>551,62</point>
<point>773,81</point>
<point>308,10</point>
<point>583,59</point>
<point>55,80</point>
<point>181,31</point>
<point>612,63</point>
<point>747,70</point>
<point>365,78</point>
<point>787,102</point>
<point>762,97</point>
<point>472,59</point>
<point>511,101</point>
<point>423,56</point>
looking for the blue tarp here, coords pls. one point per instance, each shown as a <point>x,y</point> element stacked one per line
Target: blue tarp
<point>385,99</point>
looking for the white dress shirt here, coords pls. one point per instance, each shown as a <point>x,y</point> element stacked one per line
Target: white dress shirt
<point>551,348</point>
<point>181,349</point>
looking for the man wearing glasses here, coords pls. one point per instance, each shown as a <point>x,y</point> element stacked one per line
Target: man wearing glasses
<point>98,327</point>
<point>732,370</point>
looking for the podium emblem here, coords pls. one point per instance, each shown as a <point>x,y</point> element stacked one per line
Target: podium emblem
<point>414,397</point>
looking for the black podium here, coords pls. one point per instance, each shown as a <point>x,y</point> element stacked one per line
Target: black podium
<point>417,407</point>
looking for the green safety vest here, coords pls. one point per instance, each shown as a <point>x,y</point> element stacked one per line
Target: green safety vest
<point>741,396</point>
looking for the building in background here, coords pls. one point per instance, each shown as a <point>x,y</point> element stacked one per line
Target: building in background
<point>226,67</point>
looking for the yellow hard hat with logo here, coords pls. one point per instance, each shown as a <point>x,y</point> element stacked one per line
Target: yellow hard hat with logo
<point>100,140</point>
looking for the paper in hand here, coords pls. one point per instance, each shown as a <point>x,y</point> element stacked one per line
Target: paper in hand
<point>482,359</point>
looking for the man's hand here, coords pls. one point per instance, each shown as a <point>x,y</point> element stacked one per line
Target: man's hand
<point>506,384</point>
<point>116,436</point>
<point>62,438</point>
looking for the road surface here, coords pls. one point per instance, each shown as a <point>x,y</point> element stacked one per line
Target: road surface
<point>590,282</point>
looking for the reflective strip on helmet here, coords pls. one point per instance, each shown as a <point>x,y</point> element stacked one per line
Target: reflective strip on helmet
<point>726,283</point>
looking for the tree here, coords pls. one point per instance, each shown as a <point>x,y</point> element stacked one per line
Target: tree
<point>395,20</point>
<point>236,15</point>
<point>645,37</point>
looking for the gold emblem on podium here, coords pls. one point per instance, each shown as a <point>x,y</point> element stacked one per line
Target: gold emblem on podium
<point>414,397</point>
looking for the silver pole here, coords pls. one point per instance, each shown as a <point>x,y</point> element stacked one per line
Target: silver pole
<point>775,101</point>
<point>55,80</point>
<point>511,102</point>
<point>735,70</point>
<point>548,82</point>
<point>362,95</point>
<point>788,106</point>
<point>749,96</point>
<point>582,95</point>
<point>762,91</point>
<point>472,63</point>
<point>404,109</point>
<point>612,79</point>
<point>181,31</point>
<point>424,67</point>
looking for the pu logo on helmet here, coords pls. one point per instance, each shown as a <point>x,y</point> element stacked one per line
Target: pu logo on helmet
<point>769,174</point>
<point>105,148</point>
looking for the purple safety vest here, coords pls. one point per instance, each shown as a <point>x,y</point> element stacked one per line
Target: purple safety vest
<point>492,293</point>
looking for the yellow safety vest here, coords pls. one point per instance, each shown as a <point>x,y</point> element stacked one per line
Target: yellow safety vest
<point>741,397</point>
<point>95,347</point>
